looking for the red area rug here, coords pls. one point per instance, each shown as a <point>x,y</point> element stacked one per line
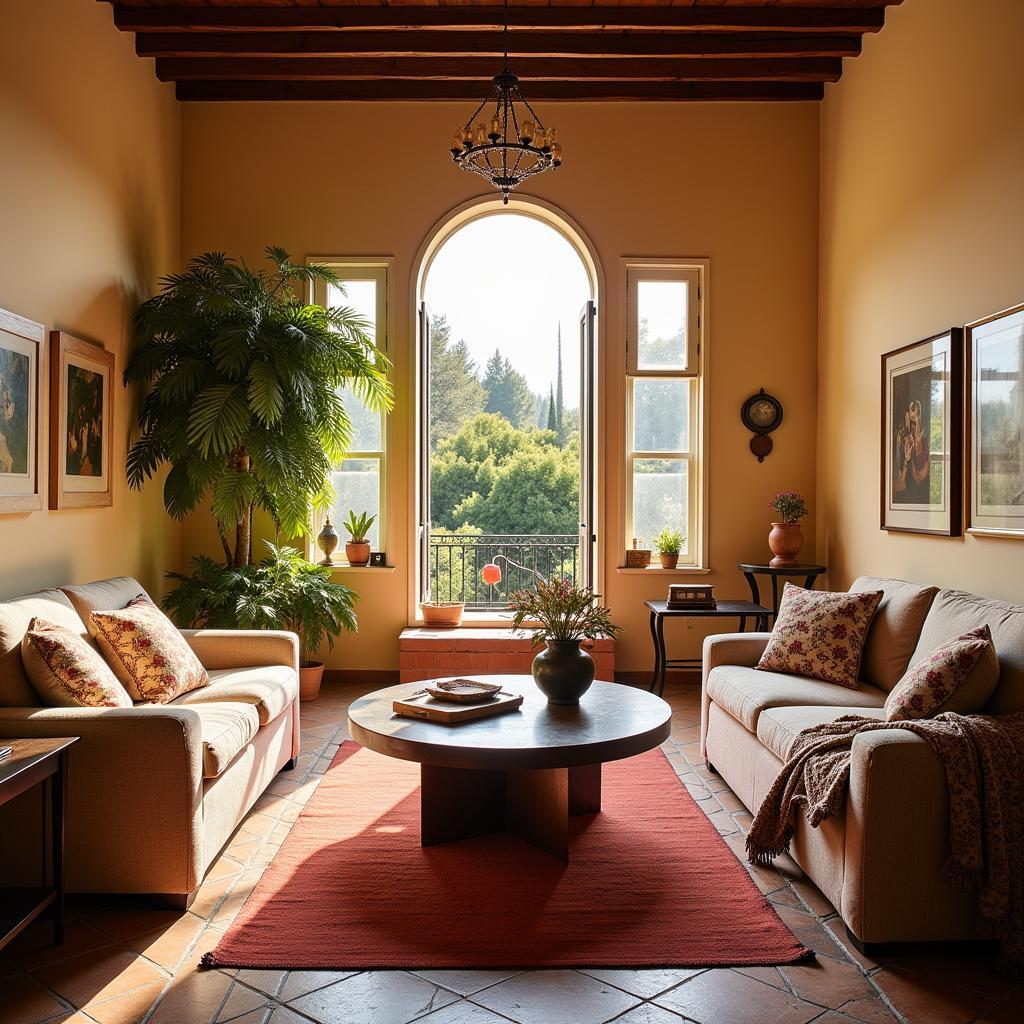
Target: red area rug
<point>650,884</point>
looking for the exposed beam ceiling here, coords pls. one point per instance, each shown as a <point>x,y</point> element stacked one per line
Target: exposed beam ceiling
<point>354,50</point>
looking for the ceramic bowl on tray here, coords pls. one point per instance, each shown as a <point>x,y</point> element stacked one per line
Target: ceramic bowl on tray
<point>462,691</point>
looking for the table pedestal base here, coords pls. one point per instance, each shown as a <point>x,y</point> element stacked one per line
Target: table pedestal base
<point>533,803</point>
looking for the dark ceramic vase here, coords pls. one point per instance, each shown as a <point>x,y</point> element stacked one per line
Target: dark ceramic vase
<point>563,671</point>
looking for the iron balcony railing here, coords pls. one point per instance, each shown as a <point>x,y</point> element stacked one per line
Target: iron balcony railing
<point>456,560</point>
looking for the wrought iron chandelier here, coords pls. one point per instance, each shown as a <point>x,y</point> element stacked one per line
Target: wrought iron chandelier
<point>510,148</point>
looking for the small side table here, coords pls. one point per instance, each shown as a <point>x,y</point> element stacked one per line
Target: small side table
<point>660,611</point>
<point>30,763</point>
<point>754,569</point>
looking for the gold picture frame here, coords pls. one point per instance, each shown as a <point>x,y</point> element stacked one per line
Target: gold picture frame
<point>22,376</point>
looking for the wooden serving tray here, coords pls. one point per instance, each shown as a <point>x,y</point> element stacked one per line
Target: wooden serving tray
<point>426,707</point>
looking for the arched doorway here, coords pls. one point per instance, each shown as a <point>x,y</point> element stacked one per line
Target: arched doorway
<point>506,374</point>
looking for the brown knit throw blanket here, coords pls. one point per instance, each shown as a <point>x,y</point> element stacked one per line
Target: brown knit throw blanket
<point>984,760</point>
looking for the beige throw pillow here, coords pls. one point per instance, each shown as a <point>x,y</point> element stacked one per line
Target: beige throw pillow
<point>820,634</point>
<point>147,653</point>
<point>67,671</point>
<point>960,676</point>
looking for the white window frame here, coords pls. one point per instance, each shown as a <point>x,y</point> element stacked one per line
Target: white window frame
<point>695,273</point>
<point>380,270</point>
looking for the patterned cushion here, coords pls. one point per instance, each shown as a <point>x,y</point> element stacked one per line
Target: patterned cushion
<point>147,653</point>
<point>67,671</point>
<point>820,634</point>
<point>960,676</point>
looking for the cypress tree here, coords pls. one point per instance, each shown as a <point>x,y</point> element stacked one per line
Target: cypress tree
<point>552,415</point>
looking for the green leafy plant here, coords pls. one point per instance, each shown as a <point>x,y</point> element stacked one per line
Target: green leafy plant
<point>669,542</point>
<point>284,591</point>
<point>243,400</point>
<point>563,612</point>
<point>358,526</point>
<point>789,506</point>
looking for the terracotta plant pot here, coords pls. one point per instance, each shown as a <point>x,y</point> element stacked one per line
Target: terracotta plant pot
<point>785,540</point>
<point>311,675</point>
<point>563,671</point>
<point>357,553</point>
<point>440,613</point>
<point>669,561</point>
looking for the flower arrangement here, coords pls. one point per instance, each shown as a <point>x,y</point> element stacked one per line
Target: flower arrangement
<point>563,610</point>
<point>789,506</point>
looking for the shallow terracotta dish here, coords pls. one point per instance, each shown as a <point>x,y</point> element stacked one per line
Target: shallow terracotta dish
<point>462,691</point>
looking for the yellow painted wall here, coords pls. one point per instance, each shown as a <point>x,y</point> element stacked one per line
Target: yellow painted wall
<point>922,228</point>
<point>89,219</point>
<point>736,183</point>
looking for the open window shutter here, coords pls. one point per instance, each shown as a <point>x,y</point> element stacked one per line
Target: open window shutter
<point>588,514</point>
<point>424,452</point>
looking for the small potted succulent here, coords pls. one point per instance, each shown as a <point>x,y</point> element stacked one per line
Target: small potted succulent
<point>566,615</point>
<point>357,548</point>
<point>787,538</point>
<point>669,542</point>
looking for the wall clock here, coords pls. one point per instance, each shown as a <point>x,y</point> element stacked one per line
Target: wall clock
<point>761,414</point>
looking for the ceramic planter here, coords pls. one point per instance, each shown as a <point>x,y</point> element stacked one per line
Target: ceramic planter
<point>785,540</point>
<point>357,552</point>
<point>563,671</point>
<point>669,560</point>
<point>440,613</point>
<point>311,675</point>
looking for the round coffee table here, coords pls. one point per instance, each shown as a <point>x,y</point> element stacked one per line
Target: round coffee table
<point>527,771</point>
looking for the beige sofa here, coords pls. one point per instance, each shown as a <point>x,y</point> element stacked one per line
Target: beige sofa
<point>881,861</point>
<point>155,791</point>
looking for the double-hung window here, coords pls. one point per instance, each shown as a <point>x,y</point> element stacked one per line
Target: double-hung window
<point>664,404</point>
<point>360,482</point>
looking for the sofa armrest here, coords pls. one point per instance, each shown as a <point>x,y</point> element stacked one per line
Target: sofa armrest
<point>897,843</point>
<point>243,648</point>
<point>726,649</point>
<point>135,787</point>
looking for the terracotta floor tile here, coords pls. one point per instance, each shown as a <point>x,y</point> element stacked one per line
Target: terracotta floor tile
<point>300,983</point>
<point>837,930</point>
<point>25,1001</point>
<point>125,922</point>
<point>93,977</point>
<point>971,965</point>
<point>869,1011</point>
<point>34,946</point>
<point>649,1013</point>
<point>266,981</point>
<point>644,983</point>
<point>241,1000</point>
<point>210,894</point>
<point>129,1008</point>
<point>811,932</point>
<point>829,982</point>
<point>466,982</point>
<point>166,946</point>
<point>556,997</point>
<point>726,997</point>
<point>463,1012</point>
<point>768,975</point>
<point>375,997</point>
<point>194,998</point>
<point>923,999</point>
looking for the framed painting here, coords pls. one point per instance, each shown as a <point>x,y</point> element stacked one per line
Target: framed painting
<point>995,424</point>
<point>81,422</point>
<point>922,440</point>
<point>22,372</point>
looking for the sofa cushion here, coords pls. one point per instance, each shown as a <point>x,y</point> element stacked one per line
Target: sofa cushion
<point>103,595</point>
<point>226,729</point>
<point>269,688</point>
<point>15,615</point>
<point>67,671</point>
<point>892,638</point>
<point>746,692</point>
<point>820,634</point>
<point>960,677</point>
<point>954,612</point>
<point>778,728</point>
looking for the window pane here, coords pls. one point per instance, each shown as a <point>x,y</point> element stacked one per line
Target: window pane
<point>357,487</point>
<point>661,324</point>
<point>659,498</point>
<point>366,432</point>
<point>359,296</point>
<point>661,415</point>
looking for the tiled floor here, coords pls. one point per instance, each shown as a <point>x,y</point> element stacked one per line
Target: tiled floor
<point>125,962</point>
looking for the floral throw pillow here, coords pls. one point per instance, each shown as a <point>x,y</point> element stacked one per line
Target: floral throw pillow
<point>67,671</point>
<point>147,653</point>
<point>820,634</point>
<point>960,676</point>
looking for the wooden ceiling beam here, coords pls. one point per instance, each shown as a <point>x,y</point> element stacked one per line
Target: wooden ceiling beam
<point>482,69</point>
<point>405,18</point>
<point>385,89</point>
<point>472,44</point>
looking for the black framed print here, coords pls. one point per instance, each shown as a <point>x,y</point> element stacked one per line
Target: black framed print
<point>995,424</point>
<point>922,438</point>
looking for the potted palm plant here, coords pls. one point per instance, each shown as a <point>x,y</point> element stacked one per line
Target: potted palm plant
<point>669,543</point>
<point>566,616</point>
<point>357,548</point>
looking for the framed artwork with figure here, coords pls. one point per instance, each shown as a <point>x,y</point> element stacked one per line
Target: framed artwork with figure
<point>81,422</point>
<point>22,373</point>
<point>995,424</point>
<point>922,439</point>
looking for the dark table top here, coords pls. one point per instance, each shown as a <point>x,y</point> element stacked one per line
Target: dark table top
<point>781,570</point>
<point>729,609</point>
<point>27,755</point>
<point>612,721</point>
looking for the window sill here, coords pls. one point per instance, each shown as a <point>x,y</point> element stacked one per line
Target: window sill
<point>381,570</point>
<point>679,570</point>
